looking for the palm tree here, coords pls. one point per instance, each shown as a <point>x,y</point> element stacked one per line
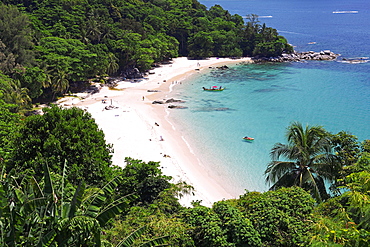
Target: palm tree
<point>309,161</point>
<point>60,83</point>
<point>112,64</point>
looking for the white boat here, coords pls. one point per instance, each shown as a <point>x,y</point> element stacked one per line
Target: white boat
<point>346,12</point>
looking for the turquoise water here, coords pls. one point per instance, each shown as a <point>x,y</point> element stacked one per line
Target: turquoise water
<point>262,100</point>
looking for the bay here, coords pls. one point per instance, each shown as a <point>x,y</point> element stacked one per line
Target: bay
<point>261,100</point>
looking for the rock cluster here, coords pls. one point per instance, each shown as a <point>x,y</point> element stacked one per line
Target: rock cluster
<point>299,56</point>
<point>132,73</point>
<point>167,101</point>
<point>171,101</point>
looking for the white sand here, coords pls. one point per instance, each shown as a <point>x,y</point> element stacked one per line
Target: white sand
<point>132,130</point>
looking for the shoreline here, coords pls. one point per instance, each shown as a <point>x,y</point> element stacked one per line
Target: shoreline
<point>142,130</point>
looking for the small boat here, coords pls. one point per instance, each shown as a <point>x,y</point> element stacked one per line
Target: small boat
<point>247,138</point>
<point>214,88</point>
<point>346,12</point>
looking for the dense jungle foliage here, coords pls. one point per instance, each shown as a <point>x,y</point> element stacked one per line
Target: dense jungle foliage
<point>48,46</point>
<point>58,189</point>
<point>58,186</point>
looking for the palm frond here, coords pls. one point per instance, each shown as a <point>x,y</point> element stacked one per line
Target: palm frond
<point>47,239</point>
<point>279,150</point>
<point>309,150</point>
<point>276,169</point>
<point>314,185</point>
<point>94,207</point>
<point>80,230</point>
<point>326,166</point>
<point>112,210</point>
<point>31,205</point>
<point>130,239</point>
<point>287,180</point>
<point>98,199</point>
<point>296,136</point>
<point>161,241</point>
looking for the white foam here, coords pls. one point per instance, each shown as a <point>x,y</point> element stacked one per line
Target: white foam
<point>354,61</point>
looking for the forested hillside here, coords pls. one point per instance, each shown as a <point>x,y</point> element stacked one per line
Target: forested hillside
<point>46,46</point>
<point>58,186</point>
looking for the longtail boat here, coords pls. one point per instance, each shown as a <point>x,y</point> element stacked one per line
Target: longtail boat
<point>214,88</point>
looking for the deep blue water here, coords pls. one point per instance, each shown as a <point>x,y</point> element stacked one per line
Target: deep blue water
<point>262,100</point>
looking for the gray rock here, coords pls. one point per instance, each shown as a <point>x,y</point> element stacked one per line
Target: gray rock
<point>300,56</point>
<point>173,100</point>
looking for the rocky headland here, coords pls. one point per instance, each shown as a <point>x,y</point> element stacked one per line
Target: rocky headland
<point>300,56</point>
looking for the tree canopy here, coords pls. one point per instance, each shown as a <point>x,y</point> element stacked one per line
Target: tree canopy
<point>59,136</point>
<point>72,41</point>
<point>58,186</point>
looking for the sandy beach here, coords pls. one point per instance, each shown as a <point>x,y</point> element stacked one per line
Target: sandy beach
<point>141,130</point>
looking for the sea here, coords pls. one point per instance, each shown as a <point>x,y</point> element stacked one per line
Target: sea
<point>262,100</point>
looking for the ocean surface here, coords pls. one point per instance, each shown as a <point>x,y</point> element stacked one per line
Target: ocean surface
<point>262,100</point>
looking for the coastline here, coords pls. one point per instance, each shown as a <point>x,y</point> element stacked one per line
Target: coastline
<point>141,130</point>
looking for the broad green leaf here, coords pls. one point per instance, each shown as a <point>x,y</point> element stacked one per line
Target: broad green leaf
<point>129,240</point>
<point>47,239</point>
<point>77,199</point>
<point>111,212</point>
<point>48,187</point>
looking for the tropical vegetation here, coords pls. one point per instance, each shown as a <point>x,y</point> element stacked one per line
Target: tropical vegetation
<point>48,197</point>
<point>58,186</point>
<point>309,161</point>
<point>52,47</point>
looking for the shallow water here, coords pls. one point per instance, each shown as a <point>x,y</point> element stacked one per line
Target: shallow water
<point>262,100</point>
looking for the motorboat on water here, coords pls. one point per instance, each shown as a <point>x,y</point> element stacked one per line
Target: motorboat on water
<point>214,88</point>
<point>346,12</point>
